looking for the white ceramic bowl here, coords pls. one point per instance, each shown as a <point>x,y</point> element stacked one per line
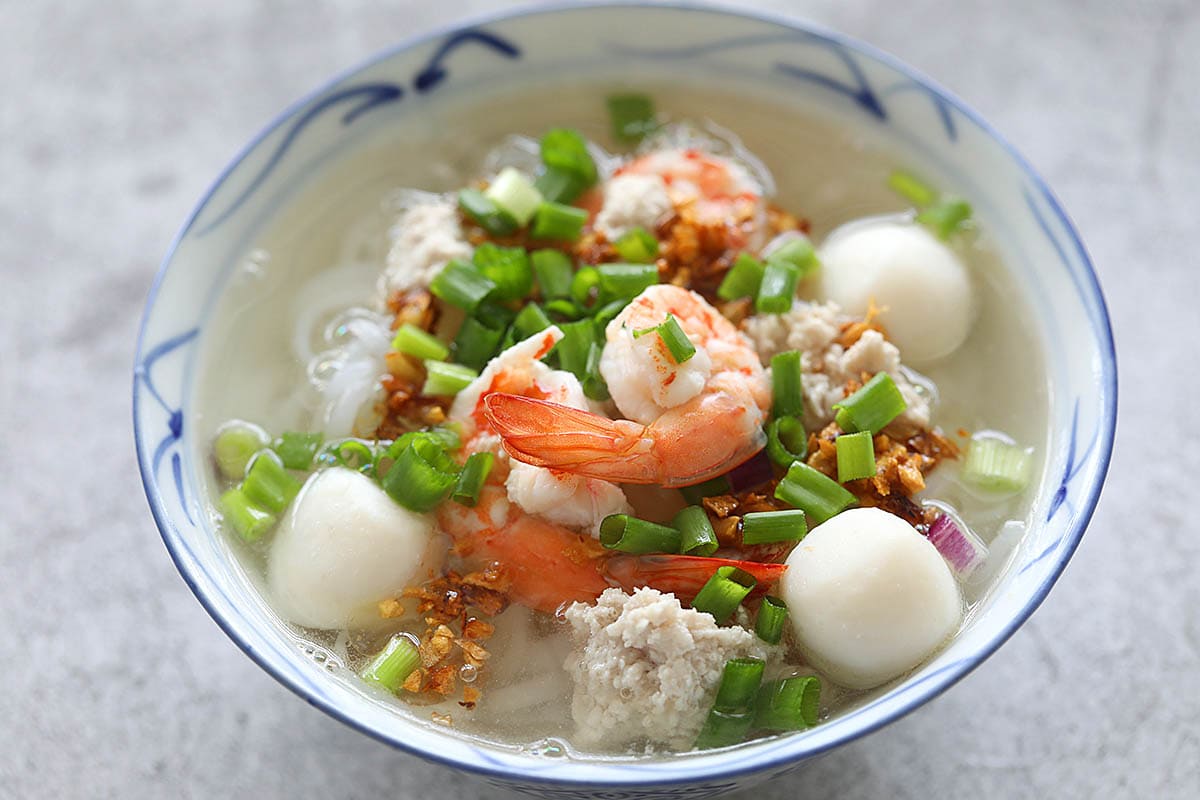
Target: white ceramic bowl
<point>812,68</point>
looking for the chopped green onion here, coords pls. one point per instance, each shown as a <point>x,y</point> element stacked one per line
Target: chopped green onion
<point>594,385</point>
<point>607,313</point>
<point>855,456</point>
<point>637,246</point>
<point>565,309</point>
<point>767,527</point>
<point>296,449</point>
<point>787,441</point>
<point>585,285</point>
<point>677,342</point>
<point>575,346</point>
<point>787,388</point>
<point>476,344</point>
<point>421,476</point>
<point>235,445</point>
<point>724,592</point>
<point>352,454</point>
<point>462,286</point>
<point>480,209</point>
<point>507,267</point>
<point>632,116</point>
<point>815,492</point>
<point>393,664</point>
<point>413,341</point>
<point>709,488</point>
<point>791,704</point>
<point>553,271</point>
<point>732,713</point>
<point>470,481</point>
<point>445,379</point>
<point>495,315</point>
<point>559,186</point>
<point>531,320</point>
<point>872,407</point>
<point>268,484</point>
<point>514,194</point>
<point>797,251</point>
<point>743,279</point>
<point>946,217</point>
<point>625,280</point>
<point>995,464</point>
<point>248,519</point>
<point>778,288</point>
<point>697,537</point>
<point>632,535</point>
<point>564,149</point>
<point>911,188</point>
<point>771,616</point>
<point>558,221</point>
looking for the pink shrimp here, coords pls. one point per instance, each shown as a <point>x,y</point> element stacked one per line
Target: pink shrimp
<point>548,565</point>
<point>685,422</point>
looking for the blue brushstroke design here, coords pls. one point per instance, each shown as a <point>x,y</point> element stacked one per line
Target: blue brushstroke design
<point>944,109</point>
<point>435,71</point>
<point>1036,210</point>
<point>860,91</point>
<point>144,373</point>
<point>370,95</point>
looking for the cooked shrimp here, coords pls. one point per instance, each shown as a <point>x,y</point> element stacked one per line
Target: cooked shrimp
<point>548,565</point>
<point>686,422</point>
<point>714,188</point>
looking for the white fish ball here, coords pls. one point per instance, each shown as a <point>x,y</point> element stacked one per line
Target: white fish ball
<point>342,547</point>
<point>869,597</point>
<point>920,283</point>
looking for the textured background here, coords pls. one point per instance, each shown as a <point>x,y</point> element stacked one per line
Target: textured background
<point>115,116</point>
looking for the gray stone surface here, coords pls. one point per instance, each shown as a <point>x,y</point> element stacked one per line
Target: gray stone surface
<point>115,116</point>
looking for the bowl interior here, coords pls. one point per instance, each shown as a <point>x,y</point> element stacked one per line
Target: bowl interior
<point>782,62</point>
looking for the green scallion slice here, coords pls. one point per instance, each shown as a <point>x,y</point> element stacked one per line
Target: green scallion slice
<point>632,116</point>
<point>791,704</point>
<point>996,465</point>
<point>769,622</point>
<point>559,186</point>
<point>268,484</point>
<point>296,449</point>
<point>911,188</point>
<point>732,713</point>
<point>565,310</point>
<point>743,279</point>
<point>724,592</point>
<point>247,517</point>
<point>393,664</point>
<point>872,407</point>
<point>481,210</point>
<point>816,493</point>
<point>585,285</point>
<point>558,221</point>
<point>625,280</point>
<point>787,388</point>
<point>443,379</point>
<point>514,194</point>
<point>476,344</point>
<point>697,537</point>
<point>778,288</point>
<point>637,246</point>
<point>564,149</point>
<point>470,481</point>
<point>507,267</point>
<point>554,272</point>
<point>413,341</point>
<point>575,346</point>
<point>946,217</point>
<point>767,527</point>
<point>709,488</point>
<point>677,342</point>
<point>594,385</point>
<point>787,441</point>
<point>235,444</point>
<point>722,729</point>
<point>855,456</point>
<point>607,313</point>
<point>531,320</point>
<point>797,251</point>
<point>421,476</point>
<point>632,535</point>
<point>462,286</point>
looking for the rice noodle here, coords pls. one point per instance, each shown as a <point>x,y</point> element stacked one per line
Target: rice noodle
<point>347,375</point>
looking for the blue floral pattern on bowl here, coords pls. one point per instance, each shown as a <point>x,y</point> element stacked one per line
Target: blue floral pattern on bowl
<point>816,68</point>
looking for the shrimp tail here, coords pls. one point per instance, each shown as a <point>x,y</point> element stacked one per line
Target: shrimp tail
<point>684,575</point>
<point>552,435</point>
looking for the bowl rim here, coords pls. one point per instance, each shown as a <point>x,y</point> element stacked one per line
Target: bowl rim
<point>930,689</point>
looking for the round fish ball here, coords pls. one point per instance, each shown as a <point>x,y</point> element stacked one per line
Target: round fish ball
<point>869,597</point>
<point>921,285</point>
<point>342,547</point>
